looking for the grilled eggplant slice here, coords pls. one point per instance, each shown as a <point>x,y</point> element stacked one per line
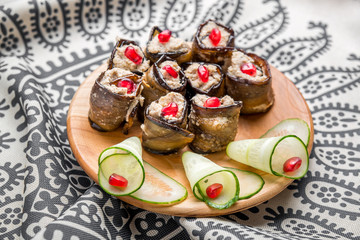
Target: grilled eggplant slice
<point>214,125</point>
<point>213,42</point>
<point>158,82</point>
<point>114,99</point>
<point>129,56</point>
<point>204,78</point>
<point>248,78</point>
<point>164,129</point>
<point>175,48</point>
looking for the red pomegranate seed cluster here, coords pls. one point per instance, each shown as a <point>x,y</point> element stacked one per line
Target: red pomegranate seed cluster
<point>212,102</point>
<point>215,36</point>
<point>203,73</point>
<point>164,36</point>
<point>214,190</point>
<point>170,110</point>
<point>170,70</point>
<point>132,55</point>
<point>117,180</point>
<point>127,83</point>
<point>249,69</point>
<point>292,164</point>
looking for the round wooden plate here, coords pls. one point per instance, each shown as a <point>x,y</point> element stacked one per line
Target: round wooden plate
<point>87,144</point>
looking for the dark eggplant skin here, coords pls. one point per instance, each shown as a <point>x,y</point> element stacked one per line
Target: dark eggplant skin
<point>178,56</point>
<point>209,136</point>
<point>120,43</point>
<point>257,96</point>
<point>201,53</point>
<point>164,137</point>
<point>217,90</point>
<point>108,110</point>
<point>155,86</point>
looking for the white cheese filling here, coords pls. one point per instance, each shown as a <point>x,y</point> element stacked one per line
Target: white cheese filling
<point>206,30</point>
<point>121,61</point>
<point>192,74</point>
<point>113,74</point>
<point>237,60</point>
<point>156,106</point>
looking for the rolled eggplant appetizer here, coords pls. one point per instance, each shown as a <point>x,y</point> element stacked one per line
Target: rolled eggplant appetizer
<point>163,43</point>
<point>204,78</point>
<point>114,100</point>
<point>218,187</point>
<point>163,77</point>
<point>164,129</point>
<point>129,56</point>
<point>213,42</point>
<point>248,79</point>
<point>214,122</point>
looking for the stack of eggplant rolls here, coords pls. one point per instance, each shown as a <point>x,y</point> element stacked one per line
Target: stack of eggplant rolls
<point>185,93</point>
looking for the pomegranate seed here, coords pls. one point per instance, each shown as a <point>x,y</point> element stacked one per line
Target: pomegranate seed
<point>132,55</point>
<point>212,102</point>
<point>170,70</point>
<point>117,180</point>
<point>127,83</point>
<point>203,73</point>
<point>164,36</point>
<point>215,36</point>
<point>292,164</point>
<point>214,190</point>
<point>249,69</point>
<point>170,110</point>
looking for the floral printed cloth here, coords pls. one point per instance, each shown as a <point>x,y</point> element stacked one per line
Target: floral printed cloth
<point>47,49</point>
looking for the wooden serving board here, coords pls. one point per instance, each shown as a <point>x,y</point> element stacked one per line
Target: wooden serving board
<point>88,143</point>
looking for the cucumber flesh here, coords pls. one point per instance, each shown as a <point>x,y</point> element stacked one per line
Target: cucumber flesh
<point>291,126</point>
<point>250,182</point>
<point>270,154</point>
<point>124,159</point>
<point>159,188</point>
<point>202,172</point>
<point>125,165</point>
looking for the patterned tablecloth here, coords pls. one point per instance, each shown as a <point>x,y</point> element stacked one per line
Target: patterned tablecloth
<point>47,49</point>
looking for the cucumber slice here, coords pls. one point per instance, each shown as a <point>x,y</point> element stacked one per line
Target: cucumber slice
<point>291,126</point>
<point>129,145</point>
<point>250,183</point>
<point>202,172</point>
<point>124,159</point>
<point>159,188</point>
<point>270,154</point>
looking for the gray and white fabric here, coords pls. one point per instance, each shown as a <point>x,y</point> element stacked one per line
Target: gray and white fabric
<point>48,47</point>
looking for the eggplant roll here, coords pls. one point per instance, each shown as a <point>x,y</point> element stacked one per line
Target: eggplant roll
<point>114,99</point>
<point>129,56</point>
<point>163,77</point>
<point>213,42</point>
<point>214,122</point>
<point>175,48</point>
<point>248,79</point>
<point>204,78</point>
<point>164,129</point>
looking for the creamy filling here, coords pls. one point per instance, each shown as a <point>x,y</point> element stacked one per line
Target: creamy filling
<point>173,45</point>
<point>200,99</point>
<point>110,76</point>
<point>206,30</point>
<point>155,108</point>
<point>121,61</point>
<point>170,80</point>
<point>192,74</point>
<point>237,60</point>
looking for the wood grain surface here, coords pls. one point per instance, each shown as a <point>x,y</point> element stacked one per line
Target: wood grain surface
<point>87,144</point>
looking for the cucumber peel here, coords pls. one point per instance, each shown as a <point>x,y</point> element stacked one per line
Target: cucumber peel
<point>250,183</point>
<point>270,154</point>
<point>291,126</point>
<point>202,172</point>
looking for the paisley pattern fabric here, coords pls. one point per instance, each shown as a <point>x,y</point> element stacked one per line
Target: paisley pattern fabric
<point>48,47</point>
